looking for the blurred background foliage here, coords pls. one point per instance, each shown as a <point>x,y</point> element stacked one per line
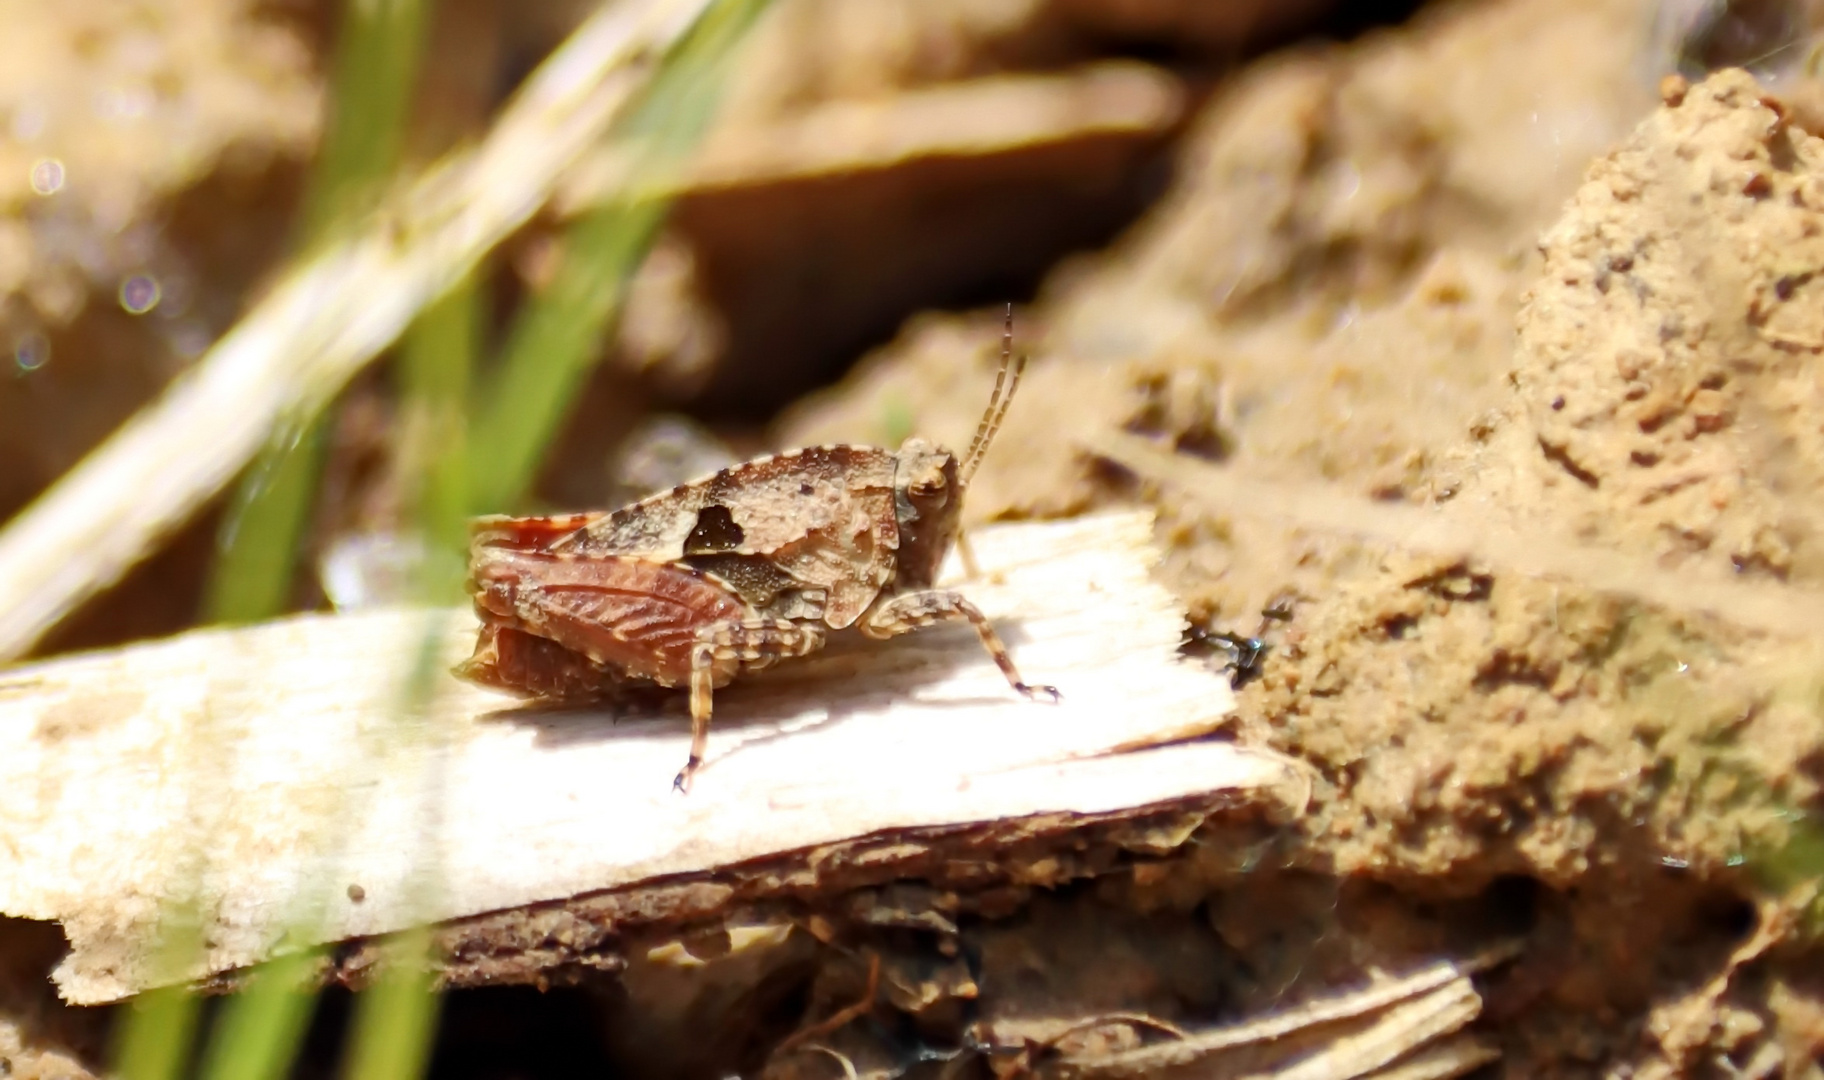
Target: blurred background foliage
<point>514,405</point>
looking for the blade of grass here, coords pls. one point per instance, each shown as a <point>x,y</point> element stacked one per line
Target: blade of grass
<point>157,1040</point>
<point>156,1045</point>
<point>435,370</point>
<point>557,338</point>
<point>371,91</point>
<point>397,1017</point>
<point>258,544</point>
<point>261,1028</point>
<point>370,99</point>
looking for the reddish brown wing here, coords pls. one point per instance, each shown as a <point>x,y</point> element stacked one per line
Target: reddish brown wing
<point>632,617</point>
<point>527,533</point>
<point>823,516</point>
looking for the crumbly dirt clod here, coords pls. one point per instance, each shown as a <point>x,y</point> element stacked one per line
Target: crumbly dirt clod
<point>1653,769</point>
<point>1666,360</point>
<point>1651,763</point>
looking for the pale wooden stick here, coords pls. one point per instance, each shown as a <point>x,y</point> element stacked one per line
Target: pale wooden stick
<point>1347,1033</point>
<point>227,747</point>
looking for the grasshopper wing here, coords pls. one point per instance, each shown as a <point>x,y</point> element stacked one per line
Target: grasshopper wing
<point>526,533</point>
<point>632,617</point>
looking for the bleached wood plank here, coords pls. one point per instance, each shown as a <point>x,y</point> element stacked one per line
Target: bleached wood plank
<point>287,755</point>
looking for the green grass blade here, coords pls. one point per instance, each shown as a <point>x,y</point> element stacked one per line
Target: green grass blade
<point>558,337</point>
<point>259,542</point>
<point>397,1017</point>
<point>156,1039</point>
<point>435,369</point>
<point>260,1029</point>
<point>551,349</point>
<point>156,1043</point>
<point>259,1032</point>
<point>376,67</point>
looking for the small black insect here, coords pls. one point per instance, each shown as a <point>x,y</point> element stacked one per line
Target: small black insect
<point>1241,653</point>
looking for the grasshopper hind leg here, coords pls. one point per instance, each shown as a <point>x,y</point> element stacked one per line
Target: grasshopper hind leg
<point>725,648</point>
<point>906,613</point>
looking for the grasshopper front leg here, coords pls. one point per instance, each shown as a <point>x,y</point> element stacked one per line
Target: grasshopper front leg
<point>972,570</point>
<point>727,647</point>
<point>907,612</point>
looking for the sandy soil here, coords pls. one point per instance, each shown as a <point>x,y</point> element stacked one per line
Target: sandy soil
<point>1340,297</point>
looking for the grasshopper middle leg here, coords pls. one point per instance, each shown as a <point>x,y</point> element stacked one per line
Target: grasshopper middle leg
<point>906,613</point>
<point>725,648</point>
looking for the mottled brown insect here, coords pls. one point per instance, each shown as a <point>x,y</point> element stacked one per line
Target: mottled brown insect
<point>730,573</point>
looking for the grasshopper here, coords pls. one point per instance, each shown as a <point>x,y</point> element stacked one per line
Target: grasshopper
<point>737,571</point>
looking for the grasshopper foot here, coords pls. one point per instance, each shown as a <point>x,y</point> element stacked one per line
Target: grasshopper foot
<point>681,782</point>
<point>1034,693</point>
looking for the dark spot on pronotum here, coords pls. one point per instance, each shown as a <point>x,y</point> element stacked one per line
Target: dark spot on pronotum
<point>357,893</point>
<point>715,531</point>
<point>1558,403</point>
<point>805,488</point>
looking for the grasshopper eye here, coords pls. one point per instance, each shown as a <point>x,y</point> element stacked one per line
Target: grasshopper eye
<point>929,485</point>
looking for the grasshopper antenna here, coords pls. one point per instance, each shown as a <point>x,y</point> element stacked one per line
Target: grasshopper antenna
<point>994,396</point>
<point>997,401</point>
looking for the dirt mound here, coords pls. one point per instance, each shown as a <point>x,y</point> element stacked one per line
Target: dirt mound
<point>1635,731</point>
<point>1648,762</point>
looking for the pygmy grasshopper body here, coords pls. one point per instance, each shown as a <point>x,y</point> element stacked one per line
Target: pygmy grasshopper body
<point>730,573</point>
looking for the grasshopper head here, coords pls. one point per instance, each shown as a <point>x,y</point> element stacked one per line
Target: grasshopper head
<point>929,481</point>
<point>928,500</point>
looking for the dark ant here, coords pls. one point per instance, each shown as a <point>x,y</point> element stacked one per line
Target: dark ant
<point>1241,652</point>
